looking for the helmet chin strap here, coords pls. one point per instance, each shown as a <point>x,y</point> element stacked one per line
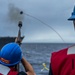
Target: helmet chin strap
<point>4,69</point>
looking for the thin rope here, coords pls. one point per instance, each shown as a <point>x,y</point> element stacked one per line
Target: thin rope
<point>46,25</point>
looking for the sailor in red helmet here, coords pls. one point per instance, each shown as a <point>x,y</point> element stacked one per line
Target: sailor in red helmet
<point>63,61</point>
<point>11,55</point>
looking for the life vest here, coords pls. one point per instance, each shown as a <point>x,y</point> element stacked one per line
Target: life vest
<point>63,61</point>
<point>4,70</point>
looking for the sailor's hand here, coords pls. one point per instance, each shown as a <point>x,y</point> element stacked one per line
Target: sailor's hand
<point>17,40</point>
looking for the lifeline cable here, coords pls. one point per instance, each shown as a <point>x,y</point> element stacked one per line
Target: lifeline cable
<point>46,25</point>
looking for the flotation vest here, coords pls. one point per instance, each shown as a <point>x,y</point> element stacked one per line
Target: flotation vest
<point>4,70</point>
<point>63,61</point>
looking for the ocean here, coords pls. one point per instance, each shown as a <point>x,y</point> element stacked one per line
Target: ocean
<point>39,53</point>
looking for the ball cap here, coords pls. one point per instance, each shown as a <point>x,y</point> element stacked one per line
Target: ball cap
<point>72,15</point>
<point>10,54</point>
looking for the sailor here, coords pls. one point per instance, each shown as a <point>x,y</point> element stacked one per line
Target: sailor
<point>10,56</point>
<point>63,61</point>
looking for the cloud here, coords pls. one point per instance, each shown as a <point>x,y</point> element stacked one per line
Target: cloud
<point>52,12</point>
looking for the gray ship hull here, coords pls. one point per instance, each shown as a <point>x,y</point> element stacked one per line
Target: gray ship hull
<point>5,40</point>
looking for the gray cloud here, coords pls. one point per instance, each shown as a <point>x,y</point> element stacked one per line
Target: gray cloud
<point>53,12</point>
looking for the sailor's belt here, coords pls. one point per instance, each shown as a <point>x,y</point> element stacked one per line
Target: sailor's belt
<point>5,61</point>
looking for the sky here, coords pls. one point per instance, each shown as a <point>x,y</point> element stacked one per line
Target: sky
<point>44,21</point>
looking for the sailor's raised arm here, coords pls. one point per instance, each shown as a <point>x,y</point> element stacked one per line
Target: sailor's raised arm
<point>27,66</point>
